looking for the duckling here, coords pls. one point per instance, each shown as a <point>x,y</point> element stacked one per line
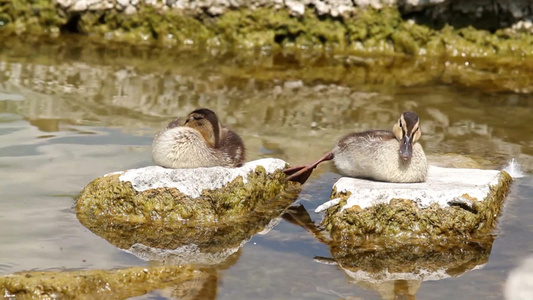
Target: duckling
<point>382,155</point>
<point>200,141</point>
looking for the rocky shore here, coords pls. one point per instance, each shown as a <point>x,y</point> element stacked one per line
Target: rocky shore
<point>434,27</point>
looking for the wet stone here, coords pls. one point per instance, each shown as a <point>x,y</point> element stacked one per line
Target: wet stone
<point>451,204</point>
<point>202,195</point>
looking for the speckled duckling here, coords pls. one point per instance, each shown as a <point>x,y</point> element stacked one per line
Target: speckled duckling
<point>382,155</point>
<point>201,141</point>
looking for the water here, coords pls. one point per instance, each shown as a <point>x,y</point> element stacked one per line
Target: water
<point>71,111</point>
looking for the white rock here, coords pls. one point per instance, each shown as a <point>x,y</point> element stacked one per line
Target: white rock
<point>297,8</point>
<point>130,10</point>
<point>79,6</point>
<point>192,182</point>
<point>444,185</point>
<point>123,3</point>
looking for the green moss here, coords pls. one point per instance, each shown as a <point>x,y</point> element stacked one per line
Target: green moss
<point>99,284</point>
<point>403,220</point>
<point>164,218</point>
<point>109,197</point>
<point>209,238</point>
<point>369,30</point>
<point>36,17</point>
<point>146,26</point>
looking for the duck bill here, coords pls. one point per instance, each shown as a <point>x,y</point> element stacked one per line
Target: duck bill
<point>406,148</point>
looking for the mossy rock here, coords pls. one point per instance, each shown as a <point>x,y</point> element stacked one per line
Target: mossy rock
<point>196,196</point>
<point>102,284</point>
<point>452,205</point>
<point>366,30</point>
<point>184,243</point>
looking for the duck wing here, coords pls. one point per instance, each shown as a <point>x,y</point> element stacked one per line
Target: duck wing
<point>232,146</point>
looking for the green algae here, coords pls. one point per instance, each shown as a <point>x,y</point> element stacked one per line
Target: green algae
<point>108,197</point>
<point>98,284</point>
<point>403,220</point>
<point>370,31</point>
<point>36,17</point>
<point>209,238</point>
<point>146,26</point>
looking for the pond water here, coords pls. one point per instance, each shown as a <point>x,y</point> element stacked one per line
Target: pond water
<point>71,111</point>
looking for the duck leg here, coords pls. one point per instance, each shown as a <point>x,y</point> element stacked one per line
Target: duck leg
<point>301,173</point>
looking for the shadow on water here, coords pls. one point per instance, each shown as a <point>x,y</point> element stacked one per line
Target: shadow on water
<point>484,15</point>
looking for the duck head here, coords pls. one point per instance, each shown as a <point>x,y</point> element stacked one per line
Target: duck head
<point>206,122</point>
<point>407,132</point>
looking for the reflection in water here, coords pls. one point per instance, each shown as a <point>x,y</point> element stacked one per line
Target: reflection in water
<point>71,111</point>
<point>397,269</point>
<point>268,106</point>
<point>207,247</point>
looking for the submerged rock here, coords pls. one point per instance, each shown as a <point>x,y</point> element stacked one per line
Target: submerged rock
<point>100,284</point>
<point>453,204</point>
<point>202,195</point>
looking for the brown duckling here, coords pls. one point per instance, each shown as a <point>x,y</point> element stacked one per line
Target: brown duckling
<point>382,155</point>
<point>200,141</point>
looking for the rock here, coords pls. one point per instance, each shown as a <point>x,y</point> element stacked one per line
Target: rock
<point>99,284</point>
<point>296,8</point>
<point>123,3</point>
<point>202,195</point>
<point>451,204</point>
<point>80,5</point>
<point>179,243</point>
<point>130,10</point>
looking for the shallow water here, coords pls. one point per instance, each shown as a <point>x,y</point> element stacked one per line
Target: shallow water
<point>70,112</point>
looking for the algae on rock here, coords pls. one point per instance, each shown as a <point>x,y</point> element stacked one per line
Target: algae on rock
<point>93,284</point>
<point>404,221</point>
<point>365,30</point>
<point>190,242</point>
<point>118,200</point>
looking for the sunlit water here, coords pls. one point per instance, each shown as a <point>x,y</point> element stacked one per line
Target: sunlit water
<point>69,115</point>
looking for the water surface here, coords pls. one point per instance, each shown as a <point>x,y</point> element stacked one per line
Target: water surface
<point>70,112</point>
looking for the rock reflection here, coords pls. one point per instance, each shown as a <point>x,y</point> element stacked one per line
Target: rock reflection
<point>189,242</point>
<point>207,248</point>
<point>305,107</point>
<point>396,270</point>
